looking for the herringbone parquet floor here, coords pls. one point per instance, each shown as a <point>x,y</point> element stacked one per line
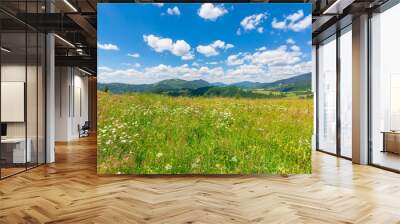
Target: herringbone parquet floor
<point>69,191</point>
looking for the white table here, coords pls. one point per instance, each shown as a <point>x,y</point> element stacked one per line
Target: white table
<point>19,153</point>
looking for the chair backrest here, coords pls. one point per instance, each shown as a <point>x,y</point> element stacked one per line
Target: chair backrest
<point>86,125</point>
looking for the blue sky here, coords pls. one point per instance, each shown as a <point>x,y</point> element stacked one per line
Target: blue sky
<point>147,43</point>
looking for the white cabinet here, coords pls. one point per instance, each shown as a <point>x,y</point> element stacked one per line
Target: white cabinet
<point>19,155</point>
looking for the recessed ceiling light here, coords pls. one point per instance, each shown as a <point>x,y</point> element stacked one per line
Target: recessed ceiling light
<point>337,7</point>
<point>5,50</point>
<point>70,5</point>
<point>86,72</point>
<point>64,40</point>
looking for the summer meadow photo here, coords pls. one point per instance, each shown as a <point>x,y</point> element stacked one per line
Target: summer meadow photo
<point>204,88</point>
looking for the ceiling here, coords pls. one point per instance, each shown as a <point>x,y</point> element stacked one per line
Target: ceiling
<point>75,22</point>
<point>331,15</point>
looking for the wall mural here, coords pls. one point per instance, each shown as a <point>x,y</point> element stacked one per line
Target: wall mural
<point>204,88</point>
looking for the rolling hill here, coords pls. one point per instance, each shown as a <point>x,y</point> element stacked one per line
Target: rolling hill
<point>300,82</point>
<point>297,83</point>
<point>165,85</point>
<point>201,87</point>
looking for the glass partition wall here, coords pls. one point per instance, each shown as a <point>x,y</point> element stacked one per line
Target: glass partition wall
<point>385,90</point>
<point>327,95</point>
<point>22,77</point>
<point>345,61</point>
<point>334,85</point>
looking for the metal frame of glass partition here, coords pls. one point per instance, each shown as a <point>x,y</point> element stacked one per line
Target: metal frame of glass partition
<point>338,33</point>
<point>41,118</point>
<point>318,64</point>
<point>387,5</point>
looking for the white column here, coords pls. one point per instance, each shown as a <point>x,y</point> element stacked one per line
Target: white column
<point>360,90</point>
<point>50,98</point>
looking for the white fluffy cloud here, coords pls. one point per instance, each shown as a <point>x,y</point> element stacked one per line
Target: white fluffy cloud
<point>159,44</point>
<point>104,68</point>
<point>290,41</point>
<point>263,48</point>
<point>286,71</point>
<point>209,11</point>
<point>278,25</point>
<point>134,55</point>
<point>266,65</point>
<point>137,65</point>
<point>295,48</point>
<point>161,72</point>
<point>256,72</point>
<point>108,47</point>
<point>212,63</point>
<point>295,16</point>
<point>247,69</point>
<point>237,59</point>
<point>262,65</point>
<point>301,24</point>
<point>158,4</point>
<point>252,22</point>
<point>212,49</point>
<point>174,11</point>
<point>280,55</point>
<point>295,22</point>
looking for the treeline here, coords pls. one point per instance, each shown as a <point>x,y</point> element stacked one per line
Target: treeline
<point>221,91</point>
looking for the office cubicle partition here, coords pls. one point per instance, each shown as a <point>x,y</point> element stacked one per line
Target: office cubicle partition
<point>22,95</point>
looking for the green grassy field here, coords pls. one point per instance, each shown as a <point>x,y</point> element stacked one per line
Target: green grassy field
<point>154,134</point>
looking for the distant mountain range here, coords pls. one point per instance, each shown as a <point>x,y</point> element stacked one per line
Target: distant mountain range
<point>300,82</point>
<point>172,86</point>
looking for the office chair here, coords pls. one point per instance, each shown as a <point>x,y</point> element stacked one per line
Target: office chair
<point>84,130</point>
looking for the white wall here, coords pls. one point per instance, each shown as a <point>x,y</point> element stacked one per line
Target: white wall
<point>81,114</point>
<point>71,87</point>
<point>62,82</point>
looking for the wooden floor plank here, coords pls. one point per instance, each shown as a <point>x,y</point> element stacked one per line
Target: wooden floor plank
<point>69,191</point>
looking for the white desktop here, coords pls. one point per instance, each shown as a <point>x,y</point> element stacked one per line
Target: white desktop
<point>12,104</point>
<point>16,146</point>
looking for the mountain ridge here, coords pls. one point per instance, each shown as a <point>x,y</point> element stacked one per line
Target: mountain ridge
<point>299,82</point>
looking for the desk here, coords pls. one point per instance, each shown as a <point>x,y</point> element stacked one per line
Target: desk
<point>391,141</point>
<point>17,150</point>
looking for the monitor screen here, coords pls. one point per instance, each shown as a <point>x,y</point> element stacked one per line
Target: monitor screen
<point>3,129</point>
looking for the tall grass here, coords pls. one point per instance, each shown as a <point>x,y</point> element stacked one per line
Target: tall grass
<point>155,134</point>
